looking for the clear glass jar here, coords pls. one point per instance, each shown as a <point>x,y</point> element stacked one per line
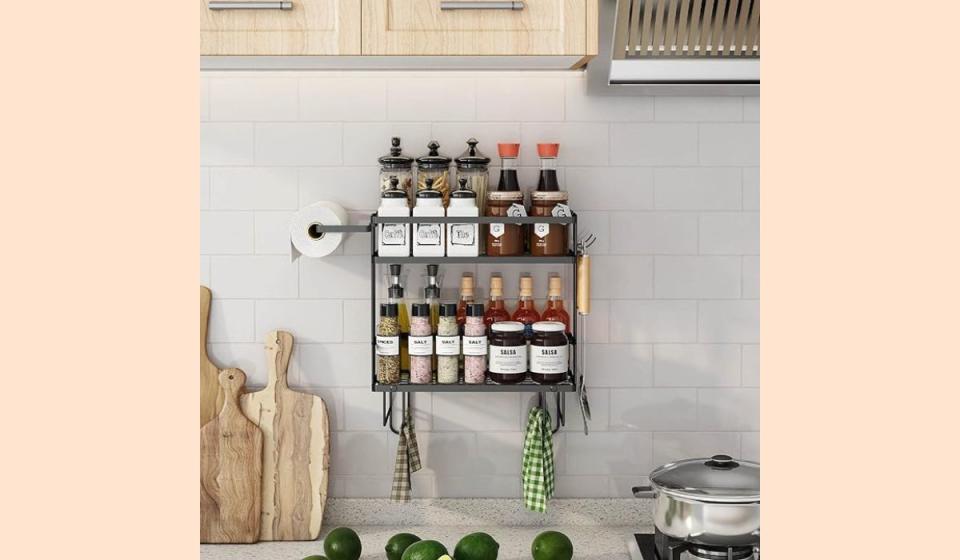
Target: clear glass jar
<point>436,166</point>
<point>421,344</point>
<point>473,166</point>
<point>475,345</point>
<point>448,345</point>
<point>396,164</point>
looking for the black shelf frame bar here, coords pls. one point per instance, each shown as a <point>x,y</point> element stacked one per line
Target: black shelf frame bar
<point>406,389</point>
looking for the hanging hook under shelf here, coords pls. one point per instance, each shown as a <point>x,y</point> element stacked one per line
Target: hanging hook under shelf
<point>561,419</point>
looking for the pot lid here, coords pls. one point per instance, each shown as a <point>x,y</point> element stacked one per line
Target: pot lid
<point>395,158</point>
<point>472,157</point>
<point>716,479</point>
<point>433,158</point>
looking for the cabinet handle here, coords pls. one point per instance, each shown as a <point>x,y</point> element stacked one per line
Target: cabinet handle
<point>242,5</point>
<point>450,5</point>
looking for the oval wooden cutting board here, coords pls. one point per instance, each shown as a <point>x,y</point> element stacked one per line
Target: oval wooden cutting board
<point>296,449</point>
<point>211,397</point>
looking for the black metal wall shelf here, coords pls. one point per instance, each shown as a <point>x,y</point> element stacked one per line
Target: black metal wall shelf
<point>482,259</point>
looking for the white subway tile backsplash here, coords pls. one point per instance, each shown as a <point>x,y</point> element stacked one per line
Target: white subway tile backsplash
<point>365,142</point>
<point>609,453</point>
<point>699,109</point>
<point>750,376</point>
<point>622,277</point>
<point>670,186</point>
<point>696,365</point>
<point>669,447</point>
<point>335,277</point>
<point>729,321</point>
<point>653,409</point>
<point>226,143</point>
<point>273,233</point>
<point>653,321</point>
<point>610,188</point>
<point>583,107</point>
<point>751,278</point>
<point>697,277</point>
<point>299,143</point>
<point>231,320</point>
<point>307,320</point>
<point>697,188</point>
<point>542,99</point>
<point>730,144</point>
<point>432,98</point>
<point>730,233</point>
<point>653,144</point>
<point>343,99</point>
<point>253,99</point>
<point>262,277</point>
<point>254,188</point>
<point>653,233</point>
<point>729,409</point>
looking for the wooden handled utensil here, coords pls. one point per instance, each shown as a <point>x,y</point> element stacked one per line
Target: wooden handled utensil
<point>296,452</point>
<point>230,466</point>
<point>211,397</point>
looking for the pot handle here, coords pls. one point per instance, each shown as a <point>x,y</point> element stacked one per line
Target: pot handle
<point>643,492</point>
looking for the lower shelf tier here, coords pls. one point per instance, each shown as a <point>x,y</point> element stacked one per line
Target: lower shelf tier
<point>489,387</point>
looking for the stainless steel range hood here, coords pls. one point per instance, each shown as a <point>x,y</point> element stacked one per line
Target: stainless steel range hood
<point>677,47</point>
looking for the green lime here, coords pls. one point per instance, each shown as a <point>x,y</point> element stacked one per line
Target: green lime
<point>552,545</point>
<point>424,550</point>
<point>476,546</point>
<point>398,543</point>
<point>342,543</point>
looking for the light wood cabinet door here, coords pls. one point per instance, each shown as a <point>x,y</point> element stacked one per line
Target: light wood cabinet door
<point>420,27</point>
<point>309,27</point>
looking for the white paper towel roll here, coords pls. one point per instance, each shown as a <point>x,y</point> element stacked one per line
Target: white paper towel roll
<point>304,237</point>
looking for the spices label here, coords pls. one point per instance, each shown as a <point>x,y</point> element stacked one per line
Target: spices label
<point>393,234</point>
<point>463,234</point>
<point>448,345</point>
<point>508,359</point>
<point>428,234</point>
<point>420,345</point>
<point>516,211</point>
<point>561,210</point>
<point>474,345</point>
<point>542,230</point>
<point>549,359</point>
<point>497,230</point>
<point>388,345</point>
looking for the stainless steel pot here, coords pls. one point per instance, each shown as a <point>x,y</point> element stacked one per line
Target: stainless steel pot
<point>713,501</point>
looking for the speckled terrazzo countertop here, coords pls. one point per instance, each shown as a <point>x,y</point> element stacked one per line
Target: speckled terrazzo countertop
<point>589,542</point>
<point>599,528</point>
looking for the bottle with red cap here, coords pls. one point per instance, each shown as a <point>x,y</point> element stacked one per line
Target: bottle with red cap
<point>506,239</point>
<point>548,240</point>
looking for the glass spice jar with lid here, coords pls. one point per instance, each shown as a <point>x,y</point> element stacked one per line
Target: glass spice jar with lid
<point>508,352</point>
<point>436,166</point>
<point>388,345</point>
<point>420,344</point>
<point>448,344</point>
<point>549,352</point>
<point>474,345</point>
<point>473,166</point>
<point>396,164</point>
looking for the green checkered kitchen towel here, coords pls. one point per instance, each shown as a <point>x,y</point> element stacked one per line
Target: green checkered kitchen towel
<point>408,460</point>
<point>538,470</point>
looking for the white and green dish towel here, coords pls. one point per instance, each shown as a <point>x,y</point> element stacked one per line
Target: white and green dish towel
<point>538,470</point>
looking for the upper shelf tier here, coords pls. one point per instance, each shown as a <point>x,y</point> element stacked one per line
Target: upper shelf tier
<point>473,220</point>
<point>520,259</point>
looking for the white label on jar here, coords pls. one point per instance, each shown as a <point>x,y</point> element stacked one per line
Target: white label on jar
<point>428,234</point>
<point>542,230</point>
<point>393,234</point>
<point>463,234</point>
<point>474,345</point>
<point>561,210</point>
<point>388,345</point>
<point>549,359</point>
<point>516,211</point>
<point>496,230</point>
<point>508,359</point>
<point>420,345</point>
<point>448,345</point>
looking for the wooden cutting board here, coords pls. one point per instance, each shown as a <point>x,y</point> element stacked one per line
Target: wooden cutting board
<point>211,397</point>
<point>296,449</point>
<point>231,459</point>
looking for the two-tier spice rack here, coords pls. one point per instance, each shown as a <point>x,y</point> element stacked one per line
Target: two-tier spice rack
<point>405,388</point>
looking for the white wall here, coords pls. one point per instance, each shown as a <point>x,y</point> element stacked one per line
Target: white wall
<point>669,184</point>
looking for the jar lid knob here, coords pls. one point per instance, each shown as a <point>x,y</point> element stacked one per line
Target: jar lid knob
<point>395,146</point>
<point>434,146</point>
<point>473,146</point>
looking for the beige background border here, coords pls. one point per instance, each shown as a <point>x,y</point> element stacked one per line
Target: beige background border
<point>860,279</point>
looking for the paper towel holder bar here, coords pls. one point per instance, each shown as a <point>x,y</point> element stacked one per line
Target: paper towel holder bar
<point>321,228</point>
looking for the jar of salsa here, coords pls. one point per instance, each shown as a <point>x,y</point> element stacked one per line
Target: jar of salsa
<point>549,352</point>
<point>508,352</point>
